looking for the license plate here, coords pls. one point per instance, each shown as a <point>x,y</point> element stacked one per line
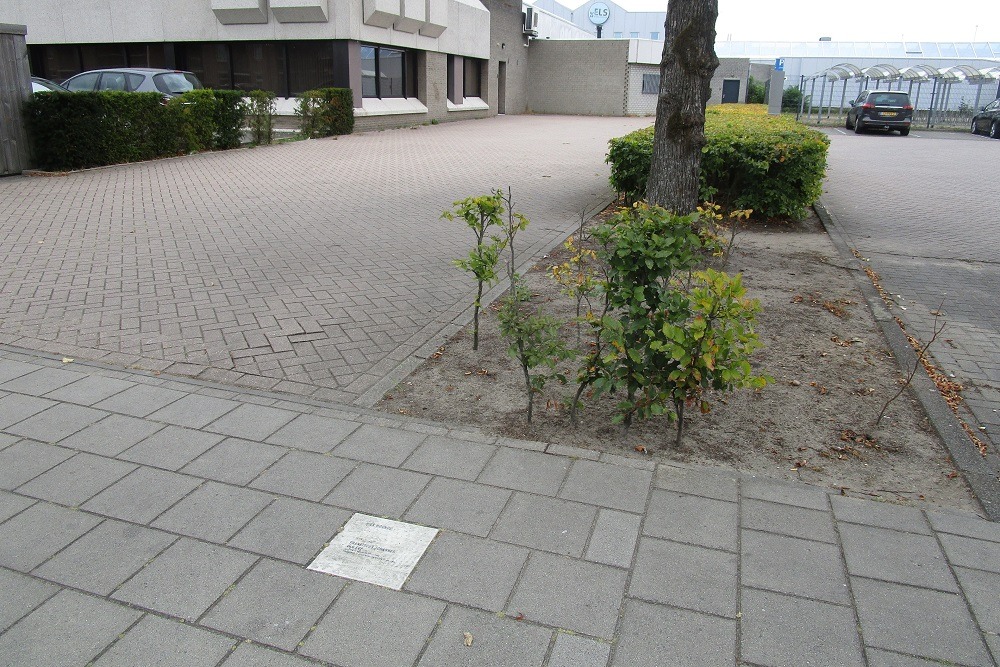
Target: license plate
<point>889,114</point>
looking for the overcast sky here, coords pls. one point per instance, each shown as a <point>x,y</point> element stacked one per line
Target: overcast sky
<point>808,20</point>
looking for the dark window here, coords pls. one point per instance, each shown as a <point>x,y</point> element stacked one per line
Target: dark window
<point>650,84</point>
<point>386,72</point>
<point>209,62</point>
<point>112,81</point>
<point>84,82</point>
<point>134,81</point>
<point>145,55</point>
<point>102,56</point>
<point>473,77</point>
<point>175,83</point>
<point>258,66</point>
<point>310,66</point>
<point>54,61</point>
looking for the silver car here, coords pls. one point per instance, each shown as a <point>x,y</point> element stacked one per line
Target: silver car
<point>134,80</point>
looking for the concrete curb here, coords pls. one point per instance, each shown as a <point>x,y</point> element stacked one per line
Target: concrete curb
<point>982,481</point>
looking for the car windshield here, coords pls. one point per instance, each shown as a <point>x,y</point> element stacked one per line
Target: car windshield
<point>175,83</point>
<point>890,99</point>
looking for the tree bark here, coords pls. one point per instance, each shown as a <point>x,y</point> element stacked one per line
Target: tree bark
<point>686,70</point>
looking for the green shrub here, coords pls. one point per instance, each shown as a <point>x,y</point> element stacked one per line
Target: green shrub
<point>230,115</point>
<point>755,91</point>
<point>772,165</point>
<point>791,99</point>
<point>195,113</point>
<point>260,116</point>
<point>326,112</point>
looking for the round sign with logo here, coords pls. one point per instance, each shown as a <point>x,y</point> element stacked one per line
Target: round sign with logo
<point>599,13</point>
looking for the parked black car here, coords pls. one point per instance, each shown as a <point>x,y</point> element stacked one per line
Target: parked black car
<point>988,120</point>
<point>881,109</point>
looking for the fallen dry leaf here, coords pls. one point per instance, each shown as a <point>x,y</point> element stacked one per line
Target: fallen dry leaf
<point>468,638</point>
<point>67,360</point>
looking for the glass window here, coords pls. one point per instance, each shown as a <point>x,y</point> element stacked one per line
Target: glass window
<point>83,82</point>
<point>473,77</point>
<point>175,83</point>
<point>112,81</point>
<point>134,81</point>
<point>390,73</point>
<point>650,84</point>
<point>102,56</point>
<point>54,61</point>
<point>654,35</point>
<point>368,72</point>
<point>634,35</point>
<point>619,35</point>
<point>259,66</point>
<point>384,72</point>
<point>145,55</point>
<point>310,66</point>
<point>209,62</point>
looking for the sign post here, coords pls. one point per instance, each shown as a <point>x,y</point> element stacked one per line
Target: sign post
<point>598,15</point>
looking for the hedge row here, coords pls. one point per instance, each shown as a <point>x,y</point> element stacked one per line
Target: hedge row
<point>78,130</point>
<point>326,112</point>
<point>751,160</point>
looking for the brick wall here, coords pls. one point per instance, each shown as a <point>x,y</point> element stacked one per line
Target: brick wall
<point>507,45</point>
<point>730,68</point>
<point>578,77</point>
<point>639,103</point>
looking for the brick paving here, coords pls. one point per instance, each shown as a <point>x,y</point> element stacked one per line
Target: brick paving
<point>920,209</point>
<point>172,522</point>
<point>317,267</point>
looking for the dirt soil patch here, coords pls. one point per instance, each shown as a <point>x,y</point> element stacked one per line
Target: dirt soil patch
<point>832,368</point>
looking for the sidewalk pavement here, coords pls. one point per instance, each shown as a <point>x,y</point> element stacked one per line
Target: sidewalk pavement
<point>147,521</point>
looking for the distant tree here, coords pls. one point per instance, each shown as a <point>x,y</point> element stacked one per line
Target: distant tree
<point>686,70</point>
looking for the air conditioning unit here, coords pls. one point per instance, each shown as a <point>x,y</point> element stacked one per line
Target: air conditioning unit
<point>530,22</point>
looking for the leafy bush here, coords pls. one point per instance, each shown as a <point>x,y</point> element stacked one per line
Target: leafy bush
<point>260,116</point>
<point>772,165</point>
<point>755,91</point>
<point>230,115</point>
<point>791,99</point>
<point>326,112</point>
<point>195,113</point>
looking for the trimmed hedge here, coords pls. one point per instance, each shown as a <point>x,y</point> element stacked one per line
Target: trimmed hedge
<point>772,165</point>
<point>326,112</point>
<point>79,130</point>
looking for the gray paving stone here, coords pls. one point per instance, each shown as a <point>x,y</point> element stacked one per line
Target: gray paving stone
<point>883,515</point>
<point>194,411</point>
<point>16,407</point>
<point>656,636</point>
<point>252,655</point>
<point>576,651</point>
<point>75,480</point>
<point>10,369</point>
<point>379,444</point>
<point>314,434</point>
<point>186,579</point>
<point>628,461</point>
<point>982,590</point>
<point>918,621</point>
<point>140,400</point>
<point>171,448</point>
<point>19,595</point>
<point>614,538</point>
<point>528,471</point>
<point>608,485</point>
<point>214,512</point>
<point>378,490</point>
<point>6,440</point>
<point>686,576</point>
<point>495,641</point>
<point>34,535</point>
<point>147,644</point>
<point>575,595</point>
<point>776,491</point>
<point>89,390</point>
<point>993,641</point>
<point>697,482</point>
<point>234,461</point>
<point>791,632</point>
<point>112,436</point>
<point>26,460</point>
<point>275,604</point>
<point>966,525</point>
<point>252,422</point>
<point>69,629</point>
<point>789,565</point>
<point>354,631</point>
<point>468,570</point>
<point>11,504</point>
<point>572,452</point>
<point>549,524</point>
<point>880,658</point>
<point>969,552</point>
<point>57,422</point>
<point>463,506</point>
<point>291,529</point>
<point>41,381</point>
<point>702,521</point>
<point>104,558</point>
<point>889,555</point>
<point>448,457</point>
<point>787,520</point>
<point>142,495</point>
<point>304,475</point>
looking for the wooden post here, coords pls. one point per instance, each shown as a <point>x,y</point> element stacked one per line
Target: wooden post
<point>15,88</point>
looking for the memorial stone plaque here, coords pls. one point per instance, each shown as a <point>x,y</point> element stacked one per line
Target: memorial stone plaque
<point>374,550</point>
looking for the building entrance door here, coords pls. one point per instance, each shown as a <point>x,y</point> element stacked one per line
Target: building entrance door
<point>502,87</point>
<point>730,91</point>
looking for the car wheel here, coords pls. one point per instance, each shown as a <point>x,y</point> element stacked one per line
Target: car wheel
<point>905,131</point>
<point>995,130</point>
<point>847,123</point>
<point>858,126</point>
<point>974,130</point>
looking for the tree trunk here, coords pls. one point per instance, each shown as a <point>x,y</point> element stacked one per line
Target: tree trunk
<point>686,70</point>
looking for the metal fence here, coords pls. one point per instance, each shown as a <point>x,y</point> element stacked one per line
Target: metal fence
<point>15,88</point>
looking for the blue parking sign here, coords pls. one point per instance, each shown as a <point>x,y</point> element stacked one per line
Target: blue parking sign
<point>779,64</point>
